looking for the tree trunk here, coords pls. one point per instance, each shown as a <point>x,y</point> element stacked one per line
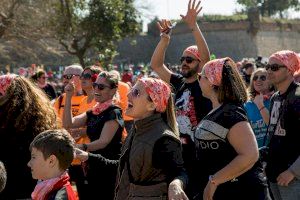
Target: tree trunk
<point>80,57</point>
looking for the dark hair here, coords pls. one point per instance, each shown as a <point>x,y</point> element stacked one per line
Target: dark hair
<point>232,87</point>
<point>94,69</point>
<point>247,65</point>
<point>55,142</point>
<point>3,176</point>
<point>111,78</point>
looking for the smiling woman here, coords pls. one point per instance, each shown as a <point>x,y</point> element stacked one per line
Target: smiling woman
<point>104,129</point>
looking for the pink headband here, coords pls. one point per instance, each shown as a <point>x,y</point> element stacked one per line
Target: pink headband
<point>289,58</point>
<point>5,81</point>
<point>213,71</point>
<point>193,50</point>
<point>158,91</point>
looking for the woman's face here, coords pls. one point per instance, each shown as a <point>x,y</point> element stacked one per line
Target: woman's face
<point>86,79</point>
<point>102,90</point>
<point>139,104</point>
<point>206,86</point>
<point>42,79</point>
<point>261,83</point>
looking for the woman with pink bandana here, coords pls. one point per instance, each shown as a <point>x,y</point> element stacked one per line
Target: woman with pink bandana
<point>151,164</point>
<point>226,148</point>
<point>25,111</point>
<point>283,162</point>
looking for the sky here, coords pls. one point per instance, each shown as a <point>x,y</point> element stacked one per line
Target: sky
<point>171,9</point>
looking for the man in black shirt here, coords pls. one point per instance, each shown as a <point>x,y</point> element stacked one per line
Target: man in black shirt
<point>190,105</point>
<point>283,163</point>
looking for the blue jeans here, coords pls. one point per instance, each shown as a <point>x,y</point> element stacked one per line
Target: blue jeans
<point>290,192</point>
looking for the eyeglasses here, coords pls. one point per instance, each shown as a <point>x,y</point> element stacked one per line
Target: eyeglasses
<point>100,86</point>
<point>187,59</point>
<point>86,76</point>
<point>135,92</point>
<point>274,67</point>
<point>43,77</point>
<point>262,78</point>
<point>69,76</point>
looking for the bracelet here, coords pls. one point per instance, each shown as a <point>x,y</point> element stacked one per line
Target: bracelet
<point>84,146</point>
<point>211,180</point>
<point>262,108</point>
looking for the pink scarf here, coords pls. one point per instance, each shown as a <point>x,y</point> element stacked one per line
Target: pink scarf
<point>213,71</point>
<point>5,81</point>
<point>193,50</point>
<point>100,107</point>
<point>43,189</point>
<point>289,58</point>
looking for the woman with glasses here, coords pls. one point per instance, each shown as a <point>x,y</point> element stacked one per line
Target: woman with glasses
<point>258,106</point>
<point>151,164</point>
<point>104,128</point>
<point>226,148</point>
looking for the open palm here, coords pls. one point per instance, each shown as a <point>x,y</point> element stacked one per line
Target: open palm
<point>191,15</point>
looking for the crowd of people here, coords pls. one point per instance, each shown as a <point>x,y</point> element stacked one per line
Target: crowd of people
<point>218,129</point>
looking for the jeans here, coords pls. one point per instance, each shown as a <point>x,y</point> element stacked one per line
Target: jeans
<point>290,192</point>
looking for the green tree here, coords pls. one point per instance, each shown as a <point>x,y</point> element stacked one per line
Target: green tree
<point>94,25</point>
<point>271,7</point>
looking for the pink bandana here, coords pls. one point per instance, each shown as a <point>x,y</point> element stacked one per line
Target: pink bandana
<point>193,50</point>
<point>158,91</point>
<point>5,81</point>
<point>44,188</point>
<point>213,71</point>
<point>289,58</point>
<point>100,107</point>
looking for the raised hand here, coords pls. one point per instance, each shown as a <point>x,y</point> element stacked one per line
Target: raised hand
<point>164,27</point>
<point>70,87</point>
<point>191,15</point>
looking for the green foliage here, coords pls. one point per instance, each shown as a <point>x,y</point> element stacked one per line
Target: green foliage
<point>271,7</point>
<point>95,24</point>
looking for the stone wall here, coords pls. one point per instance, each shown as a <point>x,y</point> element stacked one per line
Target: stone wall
<point>233,39</point>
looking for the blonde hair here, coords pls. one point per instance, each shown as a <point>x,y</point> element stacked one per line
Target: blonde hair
<point>170,116</point>
<point>251,91</point>
<point>25,106</point>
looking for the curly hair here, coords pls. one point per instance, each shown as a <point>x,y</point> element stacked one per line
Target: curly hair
<point>26,106</point>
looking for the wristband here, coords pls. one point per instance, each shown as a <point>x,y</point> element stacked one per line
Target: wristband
<point>84,146</point>
<point>262,108</point>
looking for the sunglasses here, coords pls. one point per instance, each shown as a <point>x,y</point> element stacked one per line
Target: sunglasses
<point>69,76</point>
<point>262,78</point>
<point>135,92</point>
<point>274,67</point>
<point>100,86</point>
<point>187,59</point>
<point>86,76</point>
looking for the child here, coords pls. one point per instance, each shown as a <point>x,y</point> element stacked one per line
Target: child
<point>51,155</point>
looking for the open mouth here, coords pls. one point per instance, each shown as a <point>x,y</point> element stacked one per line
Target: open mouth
<point>96,94</point>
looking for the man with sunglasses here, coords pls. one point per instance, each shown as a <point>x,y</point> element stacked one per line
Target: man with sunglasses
<point>283,162</point>
<point>71,73</point>
<point>190,104</point>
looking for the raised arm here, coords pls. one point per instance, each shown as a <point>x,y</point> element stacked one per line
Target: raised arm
<point>191,20</point>
<point>68,120</point>
<point>158,57</point>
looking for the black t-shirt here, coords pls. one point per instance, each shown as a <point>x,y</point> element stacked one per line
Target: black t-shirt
<point>190,104</point>
<point>284,128</point>
<point>213,150</point>
<point>49,90</point>
<point>95,124</point>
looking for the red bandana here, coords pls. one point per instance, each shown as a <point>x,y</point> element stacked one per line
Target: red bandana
<point>5,81</point>
<point>158,91</point>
